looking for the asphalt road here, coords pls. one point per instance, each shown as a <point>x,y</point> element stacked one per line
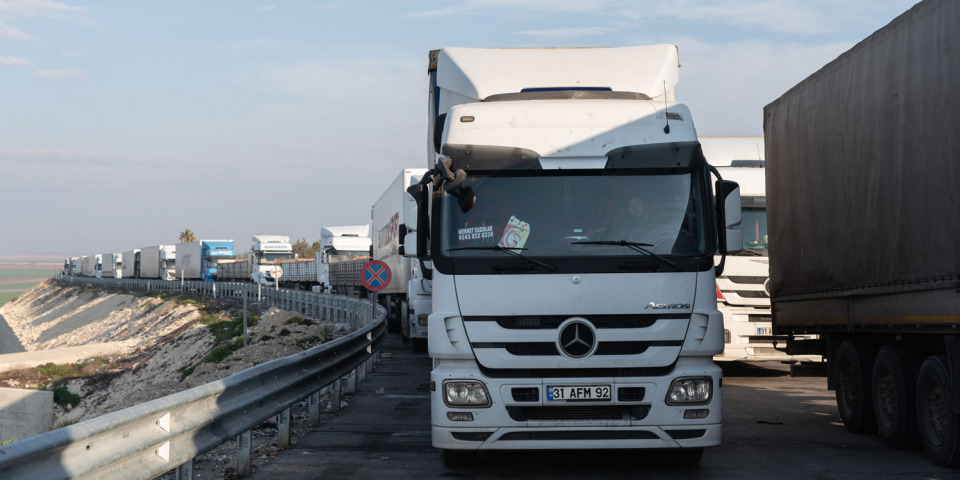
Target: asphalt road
<point>775,426</point>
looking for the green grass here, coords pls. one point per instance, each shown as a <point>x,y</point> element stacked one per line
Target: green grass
<point>7,296</point>
<point>26,272</point>
<point>18,286</point>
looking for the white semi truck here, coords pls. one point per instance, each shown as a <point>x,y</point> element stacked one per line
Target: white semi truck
<point>407,296</point>
<point>198,260</point>
<point>570,223</point>
<point>158,261</point>
<point>743,289</point>
<point>340,244</point>
<point>268,252</point>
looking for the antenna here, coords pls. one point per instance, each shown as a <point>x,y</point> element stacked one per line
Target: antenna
<point>666,115</point>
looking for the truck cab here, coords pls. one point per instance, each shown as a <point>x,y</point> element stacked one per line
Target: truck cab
<point>268,251</point>
<point>570,229</point>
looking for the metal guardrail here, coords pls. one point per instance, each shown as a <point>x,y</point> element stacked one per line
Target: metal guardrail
<point>150,439</point>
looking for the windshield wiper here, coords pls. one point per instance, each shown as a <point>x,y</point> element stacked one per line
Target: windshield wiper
<point>636,246</point>
<point>511,251</point>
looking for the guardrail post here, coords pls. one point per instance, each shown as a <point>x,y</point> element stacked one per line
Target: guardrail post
<point>185,471</point>
<point>283,428</point>
<point>362,372</point>
<point>350,387</point>
<point>335,389</point>
<point>244,452</point>
<point>315,407</point>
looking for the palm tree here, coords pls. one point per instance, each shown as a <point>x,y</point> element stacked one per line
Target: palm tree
<point>187,235</point>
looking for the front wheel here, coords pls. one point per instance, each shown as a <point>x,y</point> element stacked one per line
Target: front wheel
<point>938,425</point>
<point>458,458</point>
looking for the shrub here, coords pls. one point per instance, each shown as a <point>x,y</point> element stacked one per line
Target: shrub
<point>63,397</point>
<point>298,321</point>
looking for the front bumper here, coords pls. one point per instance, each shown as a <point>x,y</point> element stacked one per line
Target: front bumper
<point>534,423</point>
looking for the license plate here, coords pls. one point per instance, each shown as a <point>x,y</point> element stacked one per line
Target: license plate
<point>764,330</point>
<point>578,392</point>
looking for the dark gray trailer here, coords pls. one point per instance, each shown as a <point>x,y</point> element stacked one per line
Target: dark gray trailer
<point>863,197</point>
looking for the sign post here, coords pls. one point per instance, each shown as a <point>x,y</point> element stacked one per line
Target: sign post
<point>375,276</point>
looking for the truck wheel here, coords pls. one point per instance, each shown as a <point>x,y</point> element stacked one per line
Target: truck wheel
<point>853,367</point>
<point>939,426</point>
<point>894,395</point>
<point>458,458</point>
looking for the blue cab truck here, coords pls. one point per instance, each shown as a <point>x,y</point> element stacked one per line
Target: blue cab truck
<point>198,260</point>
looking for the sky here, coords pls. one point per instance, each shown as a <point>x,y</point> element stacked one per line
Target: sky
<point>123,123</point>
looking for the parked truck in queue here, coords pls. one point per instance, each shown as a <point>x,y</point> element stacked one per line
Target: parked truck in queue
<point>862,175</point>
<point>407,297</point>
<point>569,228</point>
<point>198,260</point>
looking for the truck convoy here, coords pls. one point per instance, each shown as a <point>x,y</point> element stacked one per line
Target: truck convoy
<point>569,229</point>
<point>407,297</point>
<point>862,173</point>
<point>198,260</point>
<point>90,266</point>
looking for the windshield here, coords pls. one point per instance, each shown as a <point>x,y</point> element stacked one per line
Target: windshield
<point>754,223</point>
<point>273,257</point>
<point>582,214</point>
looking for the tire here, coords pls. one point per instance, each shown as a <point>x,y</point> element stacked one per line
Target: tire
<point>458,458</point>
<point>894,395</point>
<point>939,426</point>
<point>854,371</point>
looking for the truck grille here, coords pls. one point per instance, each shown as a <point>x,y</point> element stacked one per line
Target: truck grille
<point>553,321</point>
<point>567,413</point>
<point>550,349</point>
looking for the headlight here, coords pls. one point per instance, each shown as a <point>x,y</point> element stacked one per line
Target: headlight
<point>465,394</point>
<point>422,319</point>
<point>690,390</point>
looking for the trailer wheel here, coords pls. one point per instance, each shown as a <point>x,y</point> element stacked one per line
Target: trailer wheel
<point>894,395</point>
<point>458,458</point>
<point>939,426</point>
<point>853,387</point>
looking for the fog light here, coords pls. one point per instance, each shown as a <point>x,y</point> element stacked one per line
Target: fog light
<point>460,416</point>
<point>465,393</point>
<point>422,319</point>
<point>696,414</point>
<point>687,390</point>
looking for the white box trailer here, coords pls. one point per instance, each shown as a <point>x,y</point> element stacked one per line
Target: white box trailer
<point>198,260</point>
<point>394,208</point>
<point>109,263</point>
<point>131,263</point>
<point>91,265</point>
<point>158,261</point>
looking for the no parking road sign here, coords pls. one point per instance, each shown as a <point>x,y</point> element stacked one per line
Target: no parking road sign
<point>375,275</point>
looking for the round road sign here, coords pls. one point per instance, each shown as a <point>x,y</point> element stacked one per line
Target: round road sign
<point>375,275</point>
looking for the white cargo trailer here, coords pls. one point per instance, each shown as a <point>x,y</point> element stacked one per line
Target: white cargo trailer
<point>131,263</point>
<point>198,260</point>
<point>91,266</point>
<point>394,208</point>
<point>158,262</point>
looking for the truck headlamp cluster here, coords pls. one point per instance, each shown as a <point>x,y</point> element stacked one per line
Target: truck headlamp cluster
<point>690,390</point>
<point>465,394</point>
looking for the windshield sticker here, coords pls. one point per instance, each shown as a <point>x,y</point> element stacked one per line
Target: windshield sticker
<point>515,234</point>
<point>475,233</point>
